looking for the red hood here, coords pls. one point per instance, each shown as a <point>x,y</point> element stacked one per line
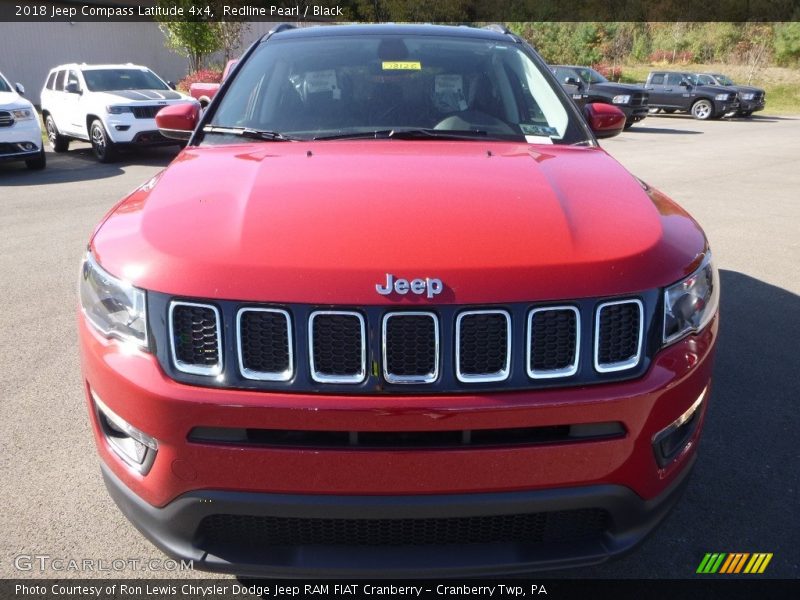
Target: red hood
<point>324,222</point>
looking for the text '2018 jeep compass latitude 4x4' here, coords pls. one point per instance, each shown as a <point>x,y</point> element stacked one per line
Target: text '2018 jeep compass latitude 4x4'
<point>393,311</point>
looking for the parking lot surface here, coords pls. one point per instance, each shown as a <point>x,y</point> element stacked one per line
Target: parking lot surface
<point>739,178</point>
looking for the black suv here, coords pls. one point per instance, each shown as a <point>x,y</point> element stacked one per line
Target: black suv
<point>586,85</point>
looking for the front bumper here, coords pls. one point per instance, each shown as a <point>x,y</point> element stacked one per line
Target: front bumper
<point>178,530</point>
<point>21,141</point>
<point>751,106</point>
<point>189,481</point>
<point>635,113</point>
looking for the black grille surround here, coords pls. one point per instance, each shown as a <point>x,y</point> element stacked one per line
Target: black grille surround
<point>373,381</point>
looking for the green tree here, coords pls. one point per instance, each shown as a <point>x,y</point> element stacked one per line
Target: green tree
<point>787,43</point>
<point>194,37</point>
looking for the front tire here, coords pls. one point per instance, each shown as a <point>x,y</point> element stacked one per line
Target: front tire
<point>102,146</point>
<point>58,142</point>
<point>702,110</point>
<point>746,113</point>
<point>38,163</point>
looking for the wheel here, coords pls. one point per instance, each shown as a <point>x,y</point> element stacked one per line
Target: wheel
<point>102,146</point>
<point>702,110</point>
<point>629,123</point>
<point>746,113</point>
<point>58,142</point>
<point>38,163</point>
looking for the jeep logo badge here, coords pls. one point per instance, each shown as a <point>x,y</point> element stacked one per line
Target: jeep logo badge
<point>428,286</point>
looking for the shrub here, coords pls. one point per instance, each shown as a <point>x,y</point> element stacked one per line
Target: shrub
<point>200,76</point>
<point>609,72</point>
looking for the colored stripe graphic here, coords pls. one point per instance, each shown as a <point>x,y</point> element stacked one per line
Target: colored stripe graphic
<point>734,563</point>
<point>711,563</point>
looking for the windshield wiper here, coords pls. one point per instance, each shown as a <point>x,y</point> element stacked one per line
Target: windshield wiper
<point>247,132</point>
<point>409,134</point>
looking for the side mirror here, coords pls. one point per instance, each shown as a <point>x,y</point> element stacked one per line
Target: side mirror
<point>20,89</point>
<point>685,84</point>
<point>178,121</point>
<point>171,84</point>
<point>72,88</point>
<point>605,120</point>
<point>572,81</point>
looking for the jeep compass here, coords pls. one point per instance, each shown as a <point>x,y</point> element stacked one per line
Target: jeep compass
<point>393,311</point>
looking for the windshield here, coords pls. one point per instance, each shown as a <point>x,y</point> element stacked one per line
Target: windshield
<point>107,80</point>
<point>4,87</point>
<point>723,80</point>
<point>341,86</point>
<point>591,76</point>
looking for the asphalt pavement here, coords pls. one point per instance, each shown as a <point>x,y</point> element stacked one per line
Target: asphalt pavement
<point>738,178</point>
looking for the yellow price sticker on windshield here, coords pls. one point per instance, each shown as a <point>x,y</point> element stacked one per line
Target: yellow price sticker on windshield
<point>401,65</point>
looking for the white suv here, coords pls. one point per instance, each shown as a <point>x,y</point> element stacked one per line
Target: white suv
<point>107,105</point>
<point>20,132</point>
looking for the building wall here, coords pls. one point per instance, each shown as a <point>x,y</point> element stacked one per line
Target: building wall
<point>28,50</point>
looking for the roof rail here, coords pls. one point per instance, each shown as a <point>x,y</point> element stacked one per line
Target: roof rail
<point>281,27</point>
<point>497,27</point>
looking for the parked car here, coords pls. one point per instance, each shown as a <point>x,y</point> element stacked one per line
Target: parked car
<point>674,91</point>
<point>204,92</point>
<point>394,311</point>
<point>585,84</point>
<point>110,106</point>
<point>751,99</point>
<point>20,131</point>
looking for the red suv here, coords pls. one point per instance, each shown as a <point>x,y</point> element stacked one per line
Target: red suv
<point>394,311</point>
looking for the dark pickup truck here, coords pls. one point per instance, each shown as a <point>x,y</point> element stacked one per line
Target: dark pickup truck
<point>586,85</point>
<point>673,91</point>
<point>751,99</point>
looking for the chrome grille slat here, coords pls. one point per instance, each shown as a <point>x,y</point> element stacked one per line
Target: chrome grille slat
<point>210,348</point>
<point>394,342</point>
<point>478,375</point>
<point>553,331</point>
<point>347,373</point>
<point>272,341</point>
<point>618,332</point>
<point>6,118</point>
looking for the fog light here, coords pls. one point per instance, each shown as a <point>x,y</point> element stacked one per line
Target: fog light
<point>28,146</point>
<point>673,439</point>
<point>134,447</point>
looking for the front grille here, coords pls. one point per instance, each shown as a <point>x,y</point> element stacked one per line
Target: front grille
<point>196,338</point>
<point>6,118</point>
<point>265,344</point>
<point>337,342</point>
<point>553,342</point>
<point>410,347</point>
<point>216,532</point>
<point>483,346</point>
<point>382,350</point>
<point>639,99</point>
<point>618,335</point>
<point>146,112</point>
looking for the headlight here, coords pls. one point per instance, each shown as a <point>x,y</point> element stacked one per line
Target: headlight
<point>621,99</point>
<point>22,114</point>
<point>117,110</point>
<point>721,97</point>
<point>690,304</point>
<point>748,96</point>
<point>114,306</point>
